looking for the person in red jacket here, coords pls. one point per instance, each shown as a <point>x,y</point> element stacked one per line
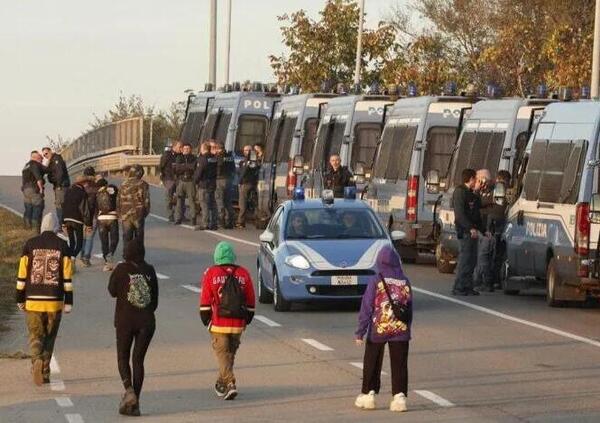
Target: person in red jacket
<point>226,332</point>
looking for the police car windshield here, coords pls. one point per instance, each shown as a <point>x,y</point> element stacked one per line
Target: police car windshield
<point>332,223</point>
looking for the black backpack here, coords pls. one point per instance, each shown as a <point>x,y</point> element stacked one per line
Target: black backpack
<point>233,298</point>
<point>103,201</point>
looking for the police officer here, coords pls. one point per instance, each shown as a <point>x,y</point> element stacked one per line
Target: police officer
<point>32,186</point>
<point>337,177</point>
<point>58,176</point>
<point>167,175</point>
<point>225,174</point>
<point>249,168</point>
<point>206,181</point>
<point>185,167</point>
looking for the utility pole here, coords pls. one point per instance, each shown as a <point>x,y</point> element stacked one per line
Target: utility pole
<point>151,130</point>
<point>228,42</point>
<point>596,55</point>
<point>212,62</point>
<point>359,42</point>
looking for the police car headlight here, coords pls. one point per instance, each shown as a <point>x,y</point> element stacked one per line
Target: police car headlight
<point>297,261</point>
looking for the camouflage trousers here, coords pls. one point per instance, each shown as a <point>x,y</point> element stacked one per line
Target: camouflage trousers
<point>42,328</point>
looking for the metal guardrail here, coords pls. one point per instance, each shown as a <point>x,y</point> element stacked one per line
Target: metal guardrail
<point>117,162</point>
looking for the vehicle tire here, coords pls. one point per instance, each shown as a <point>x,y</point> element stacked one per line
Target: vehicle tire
<point>504,277</point>
<point>552,284</point>
<point>264,295</point>
<point>279,303</point>
<point>443,265</point>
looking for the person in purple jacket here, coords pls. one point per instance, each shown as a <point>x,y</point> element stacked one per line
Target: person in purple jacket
<point>380,325</point>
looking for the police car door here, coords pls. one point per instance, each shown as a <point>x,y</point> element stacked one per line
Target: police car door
<point>268,250</point>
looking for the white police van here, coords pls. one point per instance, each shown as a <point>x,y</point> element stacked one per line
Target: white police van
<point>417,144</point>
<point>552,235</point>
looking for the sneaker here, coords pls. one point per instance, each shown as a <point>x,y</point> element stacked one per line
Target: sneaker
<point>107,267</point>
<point>171,218</point>
<point>459,292</point>
<point>472,292</point>
<point>398,403</point>
<point>128,402</point>
<point>177,222</point>
<point>37,372</point>
<point>220,389</point>
<point>366,401</point>
<point>85,262</point>
<point>230,392</point>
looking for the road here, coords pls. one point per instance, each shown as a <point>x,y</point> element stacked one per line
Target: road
<point>487,358</point>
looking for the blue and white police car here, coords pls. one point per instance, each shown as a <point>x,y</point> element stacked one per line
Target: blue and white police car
<point>319,249</point>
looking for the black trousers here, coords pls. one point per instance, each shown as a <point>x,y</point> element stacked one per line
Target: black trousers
<point>129,335</point>
<point>467,260</point>
<point>75,233</point>
<point>109,236</point>
<point>373,361</point>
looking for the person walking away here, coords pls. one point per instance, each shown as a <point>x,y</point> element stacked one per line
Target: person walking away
<point>248,182</point>
<point>76,215</point>
<point>167,176</point>
<point>134,284</point>
<point>226,306</point>
<point>32,187</point>
<point>108,221</point>
<point>337,177</point>
<point>467,219</point>
<point>206,181</point>
<point>58,176</point>
<point>88,236</point>
<point>133,205</point>
<point>185,167</point>
<point>385,318</point>
<point>225,175</point>
<point>44,290</point>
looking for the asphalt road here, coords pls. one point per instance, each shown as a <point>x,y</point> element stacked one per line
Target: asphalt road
<point>487,358</point>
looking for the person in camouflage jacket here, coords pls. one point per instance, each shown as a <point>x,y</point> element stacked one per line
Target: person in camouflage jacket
<point>133,205</point>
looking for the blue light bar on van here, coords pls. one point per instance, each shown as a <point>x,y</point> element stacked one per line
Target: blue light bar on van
<point>493,91</point>
<point>542,91</point>
<point>412,89</point>
<point>585,93</point>
<point>298,193</point>
<point>450,88</point>
<point>350,193</point>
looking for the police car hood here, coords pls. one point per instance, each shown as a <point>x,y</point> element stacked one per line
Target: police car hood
<point>326,254</point>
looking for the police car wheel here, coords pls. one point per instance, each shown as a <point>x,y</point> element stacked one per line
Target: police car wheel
<point>264,296</point>
<point>505,279</point>
<point>279,303</point>
<point>552,285</point>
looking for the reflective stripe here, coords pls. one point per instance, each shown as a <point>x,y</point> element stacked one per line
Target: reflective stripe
<point>67,268</point>
<point>205,308</point>
<point>43,306</point>
<point>68,286</point>
<point>20,285</point>
<point>22,274</point>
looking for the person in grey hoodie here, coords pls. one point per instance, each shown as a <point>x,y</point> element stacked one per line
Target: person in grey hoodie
<point>378,323</point>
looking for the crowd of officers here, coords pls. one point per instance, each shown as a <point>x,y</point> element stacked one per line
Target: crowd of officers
<point>87,206</point>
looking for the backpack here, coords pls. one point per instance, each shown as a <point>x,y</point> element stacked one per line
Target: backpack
<point>103,201</point>
<point>233,298</point>
<point>139,294</point>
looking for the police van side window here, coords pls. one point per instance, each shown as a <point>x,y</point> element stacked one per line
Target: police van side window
<point>208,130</point>
<point>285,140</point>
<point>329,142</point>
<point>252,129</point>
<point>438,153</point>
<point>222,126</point>
<point>478,150</point>
<point>520,146</point>
<point>272,140</point>
<point>395,152</point>
<point>337,137</point>
<point>366,136</point>
<point>308,142</point>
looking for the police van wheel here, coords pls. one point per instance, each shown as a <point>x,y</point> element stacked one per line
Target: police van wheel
<point>264,296</point>
<point>442,264</point>
<point>505,279</point>
<point>552,285</point>
<point>279,303</point>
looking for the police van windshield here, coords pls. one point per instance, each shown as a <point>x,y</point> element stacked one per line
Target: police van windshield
<point>216,126</point>
<point>333,223</point>
<point>393,159</point>
<point>438,152</point>
<point>252,129</point>
<point>329,141</point>
<point>366,136</point>
<point>193,127</point>
<point>477,150</point>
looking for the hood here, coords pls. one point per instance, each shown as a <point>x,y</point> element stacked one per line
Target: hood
<point>134,251</point>
<point>327,255</point>
<point>224,254</point>
<point>49,223</point>
<point>388,263</point>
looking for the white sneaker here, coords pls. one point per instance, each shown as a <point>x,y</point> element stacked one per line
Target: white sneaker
<point>366,401</point>
<point>398,403</point>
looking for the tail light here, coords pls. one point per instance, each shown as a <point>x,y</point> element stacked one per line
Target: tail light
<point>411,198</point>
<point>291,179</point>
<point>582,229</point>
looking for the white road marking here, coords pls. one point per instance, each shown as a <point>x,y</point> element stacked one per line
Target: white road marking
<point>187,226</point>
<point>192,288</point>
<point>161,276</point>
<point>360,366</point>
<point>10,209</point>
<point>316,344</point>
<point>57,385</point>
<point>64,401</point>
<point>442,402</point>
<point>54,367</point>
<point>74,418</point>
<point>511,318</point>
<point>98,256</point>
<point>164,219</point>
<point>267,321</point>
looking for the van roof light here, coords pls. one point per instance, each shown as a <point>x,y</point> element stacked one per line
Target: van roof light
<point>209,87</point>
<point>565,94</point>
<point>450,88</point>
<point>326,86</point>
<point>542,91</point>
<point>412,89</point>
<point>350,193</point>
<point>374,88</point>
<point>236,86</point>
<point>341,89</point>
<point>327,196</point>
<point>298,194</point>
<point>493,91</point>
<point>585,93</point>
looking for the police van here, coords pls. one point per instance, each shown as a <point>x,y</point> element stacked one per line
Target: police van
<point>418,140</point>
<point>351,127</point>
<point>292,132</point>
<point>553,227</point>
<point>494,137</point>
<point>198,106</point>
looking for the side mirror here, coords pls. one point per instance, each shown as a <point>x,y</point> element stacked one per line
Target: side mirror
<point>397,235</point>
<point>432,181</point>
<point>595,208</point>
<point>267,237</point>
<point>298,165</point>
<point>500,194</point>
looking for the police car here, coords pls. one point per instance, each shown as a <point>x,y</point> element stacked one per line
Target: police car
<point>319,249</point>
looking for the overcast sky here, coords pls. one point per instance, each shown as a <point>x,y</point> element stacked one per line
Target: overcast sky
<point>62,61</point>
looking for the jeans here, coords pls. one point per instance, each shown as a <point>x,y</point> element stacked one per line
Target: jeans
<point>128,335</point>
<point>42,328</point>
<point>467,260</point>
<point>88,242</point>
<point>109,236</point>
<point>225,346</point>
<point>186,189</point>
<point>133,229</point>
<point>34,207</point>
<point>484,272</point>
<point>373,360</point>
<point>75,233</point>
<point>223,200</point>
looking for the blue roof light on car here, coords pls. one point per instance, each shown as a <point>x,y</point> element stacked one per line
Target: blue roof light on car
<point>298,194</point>
<point>327,196</point>
<point>350,193</point>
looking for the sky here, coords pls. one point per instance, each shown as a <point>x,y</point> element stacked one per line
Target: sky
<point>62,61</point>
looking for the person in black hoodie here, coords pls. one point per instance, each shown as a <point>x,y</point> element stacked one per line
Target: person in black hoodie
<point>108,221</point>
<point>76,214</point>
<point>134,284</point>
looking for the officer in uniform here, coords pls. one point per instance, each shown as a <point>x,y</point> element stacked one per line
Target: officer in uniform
<point>32,187</point>
<point>206,181</point>
<point>337,177</point>
<point>225,174</point>
<point>248,182</point>
<point>58,176</point>
<point>185,167</point>
<point>167,175</point>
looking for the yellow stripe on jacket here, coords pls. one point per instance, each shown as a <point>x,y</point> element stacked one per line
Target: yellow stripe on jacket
<point>67,269</point>
<point>22,273</point>
<point>43,306</point>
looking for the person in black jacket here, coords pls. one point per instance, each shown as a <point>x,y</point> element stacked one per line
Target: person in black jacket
<point>76,214</point>
<point>225,175</point>
<point>134,284</point>
<point>58,176</point>
<point>248,182</point>
<point>337,177</point>
<point>185,168</point>
<point>88,236</point>
<point>467,219</point>
<point>206,181</point>
<point>167,176</point>
<point>32,187</point>
<point>108,221</point>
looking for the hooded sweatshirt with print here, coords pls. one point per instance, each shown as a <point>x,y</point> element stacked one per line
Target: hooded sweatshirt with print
<point>376,318</point>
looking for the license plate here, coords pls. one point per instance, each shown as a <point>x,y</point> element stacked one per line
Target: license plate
<point>344,280</point>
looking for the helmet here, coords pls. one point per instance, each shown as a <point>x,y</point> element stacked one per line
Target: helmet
<point>136,171</point>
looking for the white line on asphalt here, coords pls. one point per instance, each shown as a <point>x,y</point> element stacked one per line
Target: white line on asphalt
<point>164,219</point>
<point>74,418</point>
<point>511,318</point>
<point>64,401</point>
<point>54,367</point>
<point>57,385</point>
<point>360,366</point>
<point>267,321</point>
<point>98,256</point>
<point>10,209</point>
<point>192,288</point>
<point>187,226</point>
<point>443,402</point>
<point>161,276</point>
<point>316,344</point>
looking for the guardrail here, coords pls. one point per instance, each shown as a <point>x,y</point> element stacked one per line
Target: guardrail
<point>117,162</point>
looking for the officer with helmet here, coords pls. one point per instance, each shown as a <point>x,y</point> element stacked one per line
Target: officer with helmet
<point>133,205</point>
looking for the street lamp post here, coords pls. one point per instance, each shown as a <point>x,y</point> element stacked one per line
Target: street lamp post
<point>596,55</point>
<point>359,42</point>
<point>151,116</point>
<point>228,42</point>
